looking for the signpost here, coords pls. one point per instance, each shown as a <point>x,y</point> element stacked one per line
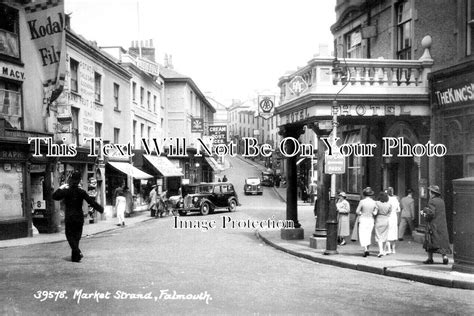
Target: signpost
<point>266,106</point>
<point>197,125</point>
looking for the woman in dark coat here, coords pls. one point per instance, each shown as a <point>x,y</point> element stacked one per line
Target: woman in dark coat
<point>436,235</point>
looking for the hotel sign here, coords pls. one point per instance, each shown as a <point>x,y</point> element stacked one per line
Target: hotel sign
<point>356,110</point>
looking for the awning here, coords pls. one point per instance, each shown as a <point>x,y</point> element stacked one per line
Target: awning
<point>213,163</point>
<point>164,166</point>
<point>130,170</point>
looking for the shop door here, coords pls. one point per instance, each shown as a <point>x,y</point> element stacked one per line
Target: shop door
<point>453,169</point>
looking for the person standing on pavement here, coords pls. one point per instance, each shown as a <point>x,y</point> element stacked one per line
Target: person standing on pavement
<point>436,234</point>
<point>128,196</point>
<point>384,208</point>
<point>392,221</point>
<point>407,205</point>
<point>73,197</point>
<point>343,211</point>
<point>153,196</point>
<point>366,211</point>
<point>120,206</point>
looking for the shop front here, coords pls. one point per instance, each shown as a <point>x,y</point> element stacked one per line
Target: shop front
<point>453,125</point>
<point>167,174</point>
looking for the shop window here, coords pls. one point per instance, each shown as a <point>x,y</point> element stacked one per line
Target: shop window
<point>353,176</point>
<point>404,30</point>
<point>470,27</point>
<point>97,86</point>
<point>11,192</point>
<point>10,103</point>
<point>9,39</point>
<point>116,96</point>
<point>353,43</point>
<point>74,69</point>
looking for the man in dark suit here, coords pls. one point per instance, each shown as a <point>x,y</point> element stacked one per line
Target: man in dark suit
<point>73,197</point>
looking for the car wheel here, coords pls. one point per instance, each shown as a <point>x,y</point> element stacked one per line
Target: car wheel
<point>205,208</point>
<point>182,213</point>
<point>232,205</point>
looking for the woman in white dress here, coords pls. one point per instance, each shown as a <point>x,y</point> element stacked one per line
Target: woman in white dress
<point>366,211</point>
<point>381,221</point>
<point>120,206</point>
<point>392,221</point>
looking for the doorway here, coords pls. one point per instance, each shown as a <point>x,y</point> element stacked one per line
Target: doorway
<point>453,167</point>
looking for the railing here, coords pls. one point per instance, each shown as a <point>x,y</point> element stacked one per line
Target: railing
<point>10,107</point>
<point>360,75</point>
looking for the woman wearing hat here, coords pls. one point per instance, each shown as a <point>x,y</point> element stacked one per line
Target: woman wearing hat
<point>366,211</point>
<point>343,210</point>
<point>436,235</point>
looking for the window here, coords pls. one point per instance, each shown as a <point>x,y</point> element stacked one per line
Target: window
<point>134,133</point>
<point>98,129</point>
<point>10,103</point>
<point>74,65</point>
<point>353,44</point>
<point>148,100</point>
<point>142,130</point>
<point>149,134</point>
<point>353,176</point>
<point>142,96</point>
<point>134,91</point>
<point>162,123</point>
<point>116,96</point>
<point>154,103</point>
<point>404,30</point>
<point>75,124</point>
<point>9,32</point>
<point>97,86</point>
<point>470,27</point>
<point>116,135</point>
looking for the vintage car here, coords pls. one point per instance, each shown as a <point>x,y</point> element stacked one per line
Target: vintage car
<point>207,197</point>
<point>268,178</point>
<point>253,186</point>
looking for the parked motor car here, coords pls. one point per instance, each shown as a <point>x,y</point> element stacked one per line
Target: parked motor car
<point>253,186</point>
<point>268,178</point>
<point>205,198</point>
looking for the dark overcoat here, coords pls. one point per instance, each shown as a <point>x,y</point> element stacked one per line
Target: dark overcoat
<point>436,235</point>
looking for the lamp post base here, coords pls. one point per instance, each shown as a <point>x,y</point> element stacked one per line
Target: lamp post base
<point>317,242</point>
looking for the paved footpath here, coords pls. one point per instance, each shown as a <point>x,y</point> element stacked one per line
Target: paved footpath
<point>405,264</point>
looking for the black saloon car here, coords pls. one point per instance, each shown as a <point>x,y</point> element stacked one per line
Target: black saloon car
<point>207,197</point>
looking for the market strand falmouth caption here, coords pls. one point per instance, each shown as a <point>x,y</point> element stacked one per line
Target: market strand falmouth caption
<point>177,147</point>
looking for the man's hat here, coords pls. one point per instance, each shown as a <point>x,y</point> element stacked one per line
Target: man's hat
<point>343,194</point>
<point>434,188</point>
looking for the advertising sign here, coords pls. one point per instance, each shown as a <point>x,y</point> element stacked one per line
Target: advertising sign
<point>298,85</point>
<point>334,164</point>
<point>266,106</point>
<point>218,133</point>
<point>46,26</point>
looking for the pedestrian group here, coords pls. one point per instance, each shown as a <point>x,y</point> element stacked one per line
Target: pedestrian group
<point>382,215</point>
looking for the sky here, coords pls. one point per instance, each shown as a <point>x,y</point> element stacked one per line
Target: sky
<point>232,49</point>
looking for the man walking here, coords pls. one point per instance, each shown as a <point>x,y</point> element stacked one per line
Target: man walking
<point>407,204</point>
<point>73,197</point>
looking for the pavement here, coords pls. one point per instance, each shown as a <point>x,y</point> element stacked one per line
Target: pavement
<point>405,264</point>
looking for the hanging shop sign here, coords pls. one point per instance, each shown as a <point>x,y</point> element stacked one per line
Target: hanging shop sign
<point>197,125</point>
<point>334,164</point>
